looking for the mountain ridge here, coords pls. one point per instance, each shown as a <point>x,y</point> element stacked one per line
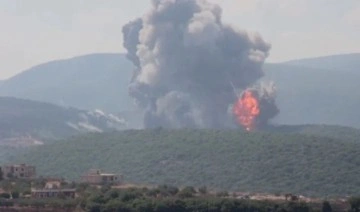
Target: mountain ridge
<point>75,82</point>
<point>339,61</point>
<point>21,118</point>
<point>305,95</point>
<point>315,96</point>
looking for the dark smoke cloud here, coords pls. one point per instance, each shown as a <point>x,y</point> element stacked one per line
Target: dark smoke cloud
<point>187,62</point>
<point>268,109</point>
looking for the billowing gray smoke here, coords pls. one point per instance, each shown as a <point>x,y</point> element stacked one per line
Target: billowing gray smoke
<point>187,63</point>
<point>268,109</point>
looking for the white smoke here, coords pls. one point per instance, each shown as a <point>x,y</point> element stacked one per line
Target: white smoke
<point>97,121</point>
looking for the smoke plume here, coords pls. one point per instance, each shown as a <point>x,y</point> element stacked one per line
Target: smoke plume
<point>190,66</point>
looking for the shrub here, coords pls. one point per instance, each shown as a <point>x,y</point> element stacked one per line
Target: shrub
<point>326,207</point>
<point>15,194</point>
<point>355,203</point>
<point>222,194</point>
<point>5,195</point>
<point>187,192</point>
<point>203,190</point>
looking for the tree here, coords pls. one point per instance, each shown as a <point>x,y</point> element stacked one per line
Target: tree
<point>166,190</point>
<point>203,190</point>
<point>7,186</point>
<point>10,176</point>
<point>326,207</point>
<point>355,204</point>
<point>187,192</point>
<point>15,194</point>
<point>1,174</point>
<point>222,194</point>
<point>5,196</point>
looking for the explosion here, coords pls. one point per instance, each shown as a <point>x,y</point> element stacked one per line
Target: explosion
<point>246,110</point>
<point>185,57</point>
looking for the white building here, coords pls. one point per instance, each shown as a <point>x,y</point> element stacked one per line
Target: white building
<point>95,176</point>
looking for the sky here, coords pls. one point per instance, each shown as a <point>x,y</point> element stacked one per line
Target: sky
<point>38,31</point>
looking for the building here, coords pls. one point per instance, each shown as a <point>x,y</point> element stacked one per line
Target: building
<point>53,189</point>
<point>19,171</point>
<point>95,176</point>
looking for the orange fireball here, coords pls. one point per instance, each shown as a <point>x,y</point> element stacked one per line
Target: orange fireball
<point>246,109</point>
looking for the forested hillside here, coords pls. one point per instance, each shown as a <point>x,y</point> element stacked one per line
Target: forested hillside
<point>330,131</point>
<point>8,153</point>
<point>227,159</point>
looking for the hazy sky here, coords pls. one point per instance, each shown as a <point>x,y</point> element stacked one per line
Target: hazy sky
<point>37,31</point>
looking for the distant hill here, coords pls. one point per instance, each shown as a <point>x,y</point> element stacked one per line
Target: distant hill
<point>219,159</point>
<point>25,122</point>
<point>316,96</point>
<point>8,153</point>
<point>341,63</point>
<point>97,81</point>
<point>310,91</point>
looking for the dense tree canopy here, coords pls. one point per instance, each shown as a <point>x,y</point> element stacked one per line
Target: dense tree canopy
<point>218,159</point>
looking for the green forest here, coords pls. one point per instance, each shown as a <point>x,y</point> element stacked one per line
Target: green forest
<point>162,198</point>
<point>297,161</point>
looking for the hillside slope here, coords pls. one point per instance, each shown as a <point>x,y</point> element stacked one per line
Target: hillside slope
<point>333,62</point>
<point>232,160</point>
<point>329,131</point>
<point>97,81</point>
<point>310,91</point>
<point>25,120</point>
<point>316,96</point>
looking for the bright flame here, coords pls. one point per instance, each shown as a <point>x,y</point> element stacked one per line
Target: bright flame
<point>246,109</point>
